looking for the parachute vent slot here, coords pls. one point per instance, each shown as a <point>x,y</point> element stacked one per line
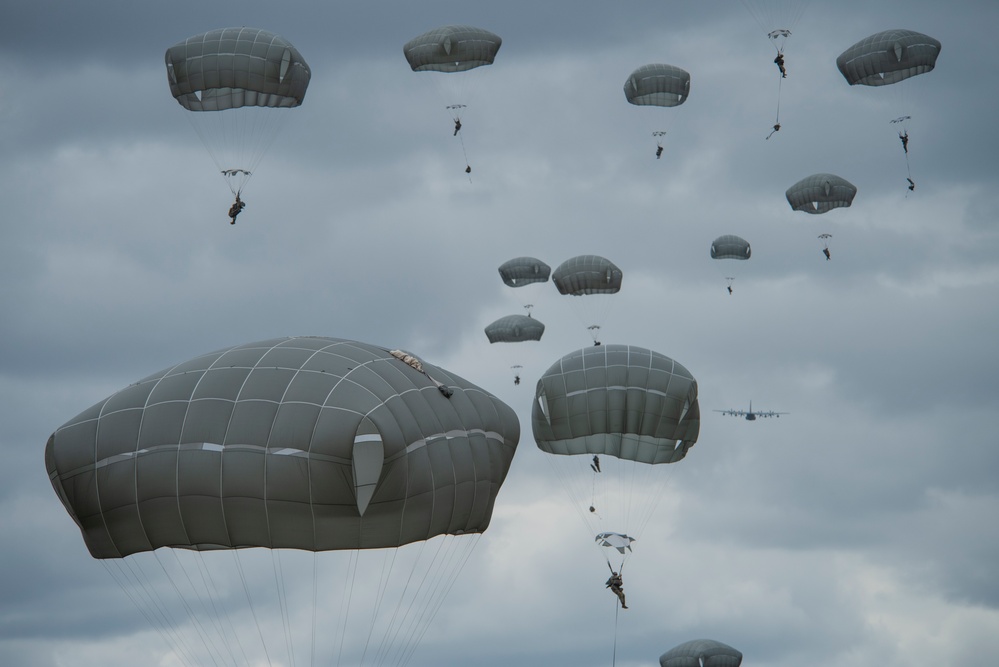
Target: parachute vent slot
<point>367,460</point>
<point>285,65</point>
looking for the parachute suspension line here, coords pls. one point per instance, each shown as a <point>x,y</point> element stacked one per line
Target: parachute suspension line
<point>283,603</point>
<point>387,565</point>
<point>151,607</point>
<point>443,593</point>
<point>249,600</point>
<point>345,605</point>
<point>208,582</point>
<point>424,603</point>
<point>203,634</point>
<point>315,597</point>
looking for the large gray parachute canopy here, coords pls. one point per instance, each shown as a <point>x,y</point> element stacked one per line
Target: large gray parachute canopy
<point>618,400</point>
<point>302,443</point>
<point>515,329</point>
<point>819,193</point>
<point>587,274</point>
<point>231,68</point>
<point>657,85</point>
<point>888,57</point>
<point>452,48</point>
<point>730,246</point>
<point>701,653</point>
<point>521,271</point>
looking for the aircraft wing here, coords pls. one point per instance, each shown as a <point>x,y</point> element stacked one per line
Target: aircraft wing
<point>732,413</point>
<point>771,413</point>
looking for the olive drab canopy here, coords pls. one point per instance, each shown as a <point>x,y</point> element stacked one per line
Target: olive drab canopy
<point>701,653</point>
<point>820,193</point>
<point>452,48</point>
<point>730,246</point>
<point>515,329</point>
<point>305,443</point>
<point>657,85</point>
<point>521,271</point>
<point>587,274</point>
<point>231,68</point>
<point>888,57</point>
<point>619,400</point>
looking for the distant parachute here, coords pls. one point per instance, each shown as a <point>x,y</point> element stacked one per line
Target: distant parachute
<point>594,278</point>
<point>587,274</point>
<point>730,246</point>
<point>658,85</point>
<point>515,329</point>
<point>820,193</point>
<point>452,48</point>
<point>521,271</point>
<point>888,57</point>
<point>235,79</point>
<point>311,444</point>
<point>701,653</point>
<point>609,416</point>
<point>453,52</point>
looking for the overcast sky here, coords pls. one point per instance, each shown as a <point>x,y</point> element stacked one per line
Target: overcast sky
<point>860,529</point>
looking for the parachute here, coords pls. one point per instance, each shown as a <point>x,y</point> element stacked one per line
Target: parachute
<point>661,86</point>
<point>237,82</point>
<point>891,58</point>
<point>594,278</point>
<point>701,653</point>
<point>279,450</point>
<point>521,271</point>
<point>515,329</point>
<point>609,417</point>
<point>453,52</point>
<point>888,57</point>
<point>730,246</point>
<point>820,193</point>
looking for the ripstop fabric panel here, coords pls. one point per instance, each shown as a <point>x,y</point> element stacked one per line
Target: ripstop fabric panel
<point>657,85</point>
<point>620,400</point>
<point>452,48</point>
<point>820,193</point>
<point>888,57</point>
<point>231,68</point>
<point>730,246</point>
<point>515,329</point>
<point>521,271</point>
<point>308,443</point>
<point>587,274</point>
<point>701,653</point>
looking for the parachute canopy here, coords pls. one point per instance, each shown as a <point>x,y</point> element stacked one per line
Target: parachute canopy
<point>820,193</point>
<point>231,68</point>
<point>730,246</point>
<point>701,653</point>
<point>888,57</point>
<point>619,400</point>
<point>657,85</point>
<point>452,48</point>
<point>521,271</point>
<point>587,274</point>
<point>615,541</point>
<point>515,329</point>
<point>304,443</point>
